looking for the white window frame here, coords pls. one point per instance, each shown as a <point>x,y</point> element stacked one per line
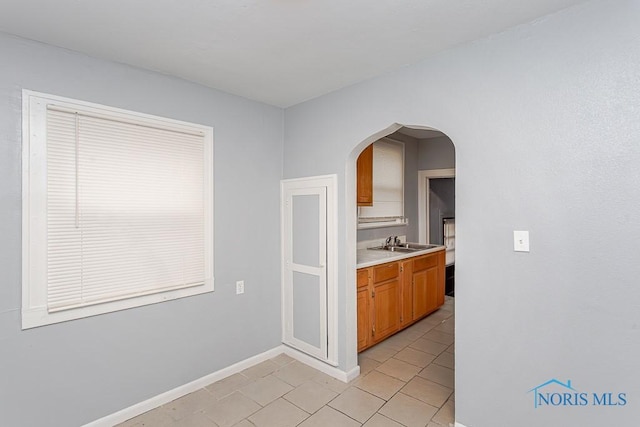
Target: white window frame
<point>34,209</point>
<point>368,216</point>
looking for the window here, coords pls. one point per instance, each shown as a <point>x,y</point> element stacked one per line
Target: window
<point>117,209</point>
<point>388,186</point>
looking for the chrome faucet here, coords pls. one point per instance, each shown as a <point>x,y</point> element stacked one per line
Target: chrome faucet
<point>392,241</point>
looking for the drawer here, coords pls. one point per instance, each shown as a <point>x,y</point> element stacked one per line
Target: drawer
<point>426,261</point>
<point>363,277</point>
<point>385,272</point>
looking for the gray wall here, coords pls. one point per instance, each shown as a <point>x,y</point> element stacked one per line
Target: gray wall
<point>71,373</point>
<point>442,204</point>
<point>544,118</point>
<point>436,153</point>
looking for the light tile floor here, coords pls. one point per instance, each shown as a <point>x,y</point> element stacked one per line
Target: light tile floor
<point>406,380</point>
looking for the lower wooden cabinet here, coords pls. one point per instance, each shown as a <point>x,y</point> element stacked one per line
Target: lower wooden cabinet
<point>364,313</point>
<point>385,305</point>
<point>394,295</point>
<point>424,286</point>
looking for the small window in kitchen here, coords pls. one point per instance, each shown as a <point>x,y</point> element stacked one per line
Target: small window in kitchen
<point>388,186</point>
<point>117,209</point>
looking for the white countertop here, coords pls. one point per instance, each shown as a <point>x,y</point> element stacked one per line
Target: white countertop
<point>369,257</point>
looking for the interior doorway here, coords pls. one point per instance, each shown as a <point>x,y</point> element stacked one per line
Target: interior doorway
<point>413,226</point>
<point>436,189</point>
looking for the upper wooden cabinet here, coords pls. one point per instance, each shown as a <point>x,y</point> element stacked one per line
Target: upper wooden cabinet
<point>365,177</point>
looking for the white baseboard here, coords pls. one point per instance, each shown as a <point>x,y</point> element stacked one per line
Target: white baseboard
<point>321,366</point>
<point>166,397</point>
<point>459,425</point>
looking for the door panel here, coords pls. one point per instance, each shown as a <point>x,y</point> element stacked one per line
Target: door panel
<point>308,281</point>
<point>305,274</point>
<point>306,309</point>
<point>364,330</point>
<point>306,217</point>
<point>406,293</point>
<point>425,295</point>
<point>386,304</point>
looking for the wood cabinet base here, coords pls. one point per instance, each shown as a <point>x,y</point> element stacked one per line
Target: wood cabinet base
<point>395,295</point>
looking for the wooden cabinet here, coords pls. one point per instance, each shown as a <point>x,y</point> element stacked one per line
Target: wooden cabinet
<point>385,300</point>
<point>378,299</point>
<point>364,172</point>
<point>363,297</point>
<point>406,293</point>
<point>394,295</point>
<point>424,285</point>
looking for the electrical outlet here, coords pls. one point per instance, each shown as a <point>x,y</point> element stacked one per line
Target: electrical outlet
<point>240,287</point>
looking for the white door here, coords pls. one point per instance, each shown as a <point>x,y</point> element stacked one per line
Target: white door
<point>308,225</point>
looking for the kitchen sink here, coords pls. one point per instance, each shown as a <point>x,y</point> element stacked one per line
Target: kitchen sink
<point>404,247</point>
<point>417,246</point>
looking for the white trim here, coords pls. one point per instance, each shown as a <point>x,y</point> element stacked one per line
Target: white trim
<point>168,396</point>
<point>398,222</point>
<point>321,366</point>
<point>423,198</point>
<point>99,109</point>
<point>457,424</point>
<point>350,246</point>
<point>329,183</point>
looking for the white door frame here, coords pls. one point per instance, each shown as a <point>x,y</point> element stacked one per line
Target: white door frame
<point>423,198</point>
<point>329,184</point>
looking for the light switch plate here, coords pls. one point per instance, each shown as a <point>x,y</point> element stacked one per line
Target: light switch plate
<point>240,287</point>
<point>520,241</point>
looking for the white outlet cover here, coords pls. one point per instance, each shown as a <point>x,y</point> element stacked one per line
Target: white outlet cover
<point>520,241</point>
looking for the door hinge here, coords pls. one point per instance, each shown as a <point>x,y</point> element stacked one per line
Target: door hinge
<point>373,294</point>
<point>401,269</point>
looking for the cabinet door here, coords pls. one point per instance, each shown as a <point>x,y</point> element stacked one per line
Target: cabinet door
<point>406,293</point>
<point>364,172</point>
<point>425,292</point>
<point>364,329</point>
<point>386,307</point>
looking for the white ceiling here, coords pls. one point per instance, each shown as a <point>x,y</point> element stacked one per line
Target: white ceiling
<point>281,52</point>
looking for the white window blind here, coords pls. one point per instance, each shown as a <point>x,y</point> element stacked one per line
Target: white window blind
<point>127,210</point>
<point>388,181</point>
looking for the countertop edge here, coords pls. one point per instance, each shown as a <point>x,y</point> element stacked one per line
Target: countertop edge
<point>392,256</point>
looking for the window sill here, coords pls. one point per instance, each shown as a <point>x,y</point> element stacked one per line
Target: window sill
<point>399,222</point>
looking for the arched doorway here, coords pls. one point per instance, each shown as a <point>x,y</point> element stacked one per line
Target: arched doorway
<point>413,350</point>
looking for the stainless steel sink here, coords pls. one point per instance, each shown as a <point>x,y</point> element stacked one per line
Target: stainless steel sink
<point>404,247</point>
<point>417,246</point>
